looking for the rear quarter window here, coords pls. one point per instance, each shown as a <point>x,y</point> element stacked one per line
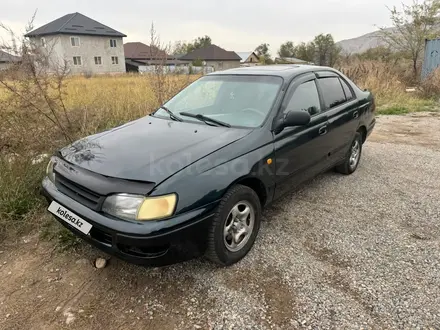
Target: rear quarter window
<point>347,90</point>
<point>332,92</point>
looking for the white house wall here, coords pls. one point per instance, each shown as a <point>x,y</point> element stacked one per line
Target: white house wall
<point>89,46</point>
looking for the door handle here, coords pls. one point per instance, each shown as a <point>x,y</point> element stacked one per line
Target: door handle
<point>323,130</point>
<point>355,114</point>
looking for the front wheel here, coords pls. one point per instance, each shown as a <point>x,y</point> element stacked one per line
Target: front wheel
<point>353,156</point>
<point>235,226</point>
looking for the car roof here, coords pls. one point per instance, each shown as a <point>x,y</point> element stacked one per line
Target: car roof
<point>280,70</point>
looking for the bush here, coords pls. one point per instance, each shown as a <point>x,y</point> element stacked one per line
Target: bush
<point>430,87</point>
<point>19,196</point>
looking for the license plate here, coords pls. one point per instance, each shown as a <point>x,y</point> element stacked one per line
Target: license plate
<point>69,217</point>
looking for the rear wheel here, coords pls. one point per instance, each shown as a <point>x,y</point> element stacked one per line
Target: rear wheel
<point>235,226</point>
<point>353,156</point>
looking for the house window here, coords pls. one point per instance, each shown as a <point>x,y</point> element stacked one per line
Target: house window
<point>43,42</point>
<point>98,60</point>
<point>115,60</point>
<point>251,60</point>
<point>77,60</point>
<point>74,41</point>
<point>112,42</point>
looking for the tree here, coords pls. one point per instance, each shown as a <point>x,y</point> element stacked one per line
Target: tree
<point>181,47</point>
<point>305,52</point>
<point>327,52</point>
<point>202,42</point>
<point>287,49</point>
<point>412,25</point>
<point>264,54</point>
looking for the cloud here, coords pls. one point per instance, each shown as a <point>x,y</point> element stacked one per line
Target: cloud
<point>234,25</point>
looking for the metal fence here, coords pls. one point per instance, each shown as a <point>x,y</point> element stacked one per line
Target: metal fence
<point>179,69</point>
<point>432,57</point>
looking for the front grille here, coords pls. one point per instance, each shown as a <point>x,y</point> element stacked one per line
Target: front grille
<point>77,192</point>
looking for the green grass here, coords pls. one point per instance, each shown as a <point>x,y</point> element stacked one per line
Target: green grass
<point>401,106</point>
<point>394,110</point>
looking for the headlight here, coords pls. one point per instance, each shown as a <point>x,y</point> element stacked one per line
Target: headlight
<point>49,170</point>
<point>135,207</point>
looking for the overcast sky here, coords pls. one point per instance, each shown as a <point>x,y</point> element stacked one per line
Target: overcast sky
<point>234,25</point>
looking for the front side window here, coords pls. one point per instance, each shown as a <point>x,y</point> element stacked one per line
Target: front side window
<point>74,41</point>
<point>305,98</point>
<point>98,60</point>
<point>243,101</point>
<point>77,60</point>
<point>112,43</point>
<point>332,92</point>
<point>115,60</point>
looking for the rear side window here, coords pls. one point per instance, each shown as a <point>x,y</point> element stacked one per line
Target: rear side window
<point>332,92</point>
<point>305,98</point>
<point>347,90</point>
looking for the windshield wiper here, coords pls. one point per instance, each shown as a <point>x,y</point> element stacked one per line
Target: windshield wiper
<point>205,118</point>
<point>172,115</point>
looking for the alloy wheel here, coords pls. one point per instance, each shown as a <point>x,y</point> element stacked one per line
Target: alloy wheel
<point>239,226</point>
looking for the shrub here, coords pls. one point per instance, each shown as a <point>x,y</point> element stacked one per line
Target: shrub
<point>19,197</point>
<point>430,87</point>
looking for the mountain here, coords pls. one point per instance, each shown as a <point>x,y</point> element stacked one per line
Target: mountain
<point>362,43</point>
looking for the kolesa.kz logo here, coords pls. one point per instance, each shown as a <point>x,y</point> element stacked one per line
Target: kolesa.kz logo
<point>70,218</point>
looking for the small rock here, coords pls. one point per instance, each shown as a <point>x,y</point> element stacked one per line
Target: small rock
<point>9,273</point>
<point>100,263</point>
<point>39,159</point>
<point>57,309</point>
<point>81,311</point>
<point>57,270</point>
<point>196,326</point>
<point>69,317</point>
<point>7,315</point>
<point>39,297</point>
<point>1,252</point>
<point>4,262</point>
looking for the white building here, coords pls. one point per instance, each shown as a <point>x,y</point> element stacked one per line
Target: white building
<point>87,46</point>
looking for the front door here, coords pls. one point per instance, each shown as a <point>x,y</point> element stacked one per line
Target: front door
<point>300,152</point>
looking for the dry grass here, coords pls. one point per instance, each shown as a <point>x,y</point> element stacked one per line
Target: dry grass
<point>93,104</point>
<point>388,84</point>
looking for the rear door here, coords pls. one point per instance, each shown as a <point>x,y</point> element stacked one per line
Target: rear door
<point>341,109</point>
<point>301,151</point>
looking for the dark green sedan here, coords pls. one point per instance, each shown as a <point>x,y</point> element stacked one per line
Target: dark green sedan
<point>192,178</point>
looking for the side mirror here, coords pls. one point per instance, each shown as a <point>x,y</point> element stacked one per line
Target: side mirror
<point>296,118</point>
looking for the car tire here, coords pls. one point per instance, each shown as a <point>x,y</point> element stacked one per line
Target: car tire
<point>353,157</point>
<point>239,211</point>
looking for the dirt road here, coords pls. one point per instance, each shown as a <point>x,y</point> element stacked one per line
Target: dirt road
<point>342,252</point>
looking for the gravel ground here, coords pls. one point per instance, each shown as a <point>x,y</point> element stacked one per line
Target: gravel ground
<point>359,251</point>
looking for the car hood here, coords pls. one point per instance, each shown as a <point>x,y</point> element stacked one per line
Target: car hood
<point>149,149</point>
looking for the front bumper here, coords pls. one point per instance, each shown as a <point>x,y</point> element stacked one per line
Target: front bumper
<point>155,243</point>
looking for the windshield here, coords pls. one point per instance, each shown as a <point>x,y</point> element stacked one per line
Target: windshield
<point>234,100</point>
